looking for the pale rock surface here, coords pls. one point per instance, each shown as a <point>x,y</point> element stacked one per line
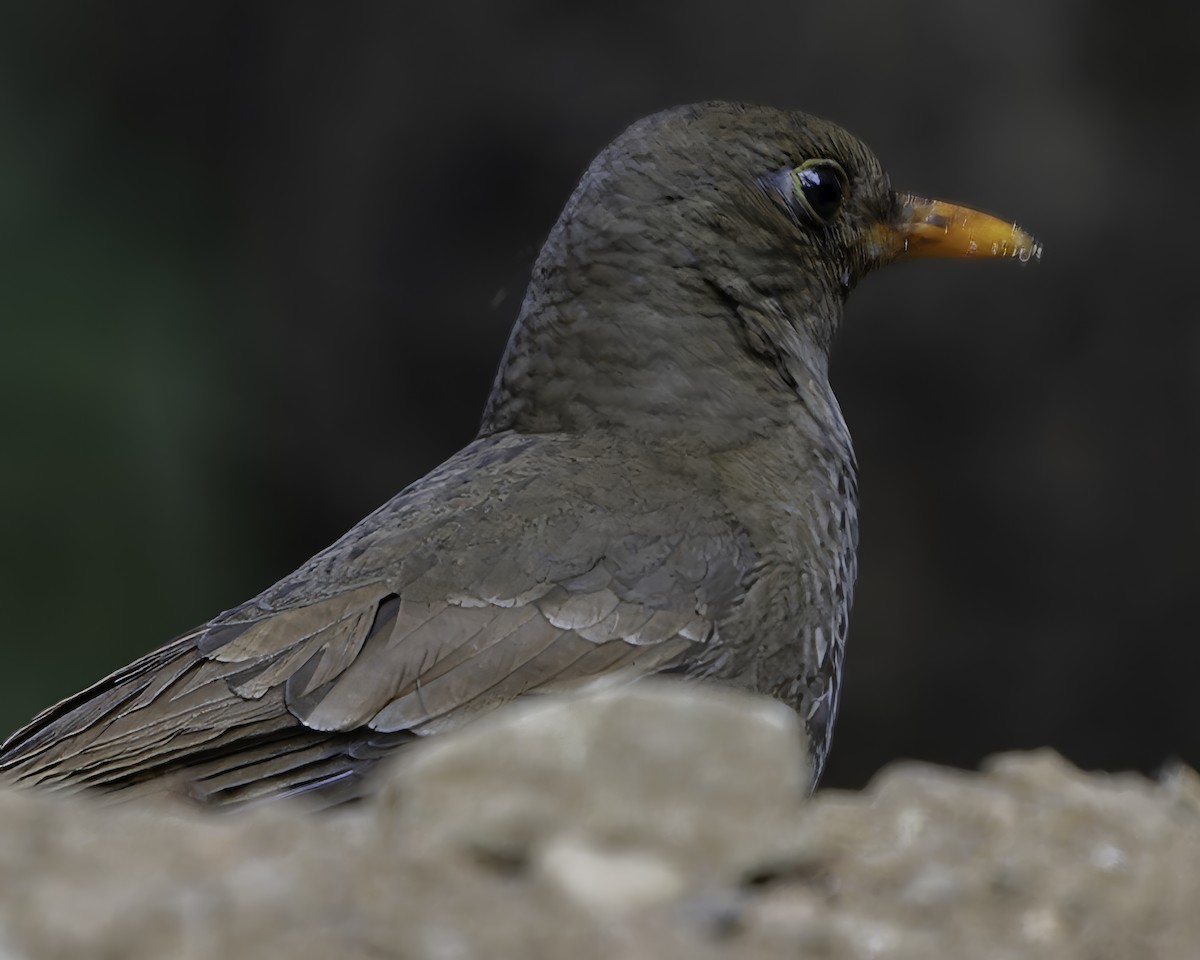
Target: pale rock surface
<point>655,821</point>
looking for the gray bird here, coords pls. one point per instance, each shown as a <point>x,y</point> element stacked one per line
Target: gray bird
<point>662,483</point>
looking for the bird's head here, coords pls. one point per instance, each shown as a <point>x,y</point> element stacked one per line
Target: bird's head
<point>705,258</point>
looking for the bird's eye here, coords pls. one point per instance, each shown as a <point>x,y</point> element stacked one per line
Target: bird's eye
<point>818,188</point>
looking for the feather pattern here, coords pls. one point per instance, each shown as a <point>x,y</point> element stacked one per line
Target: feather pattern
<point>282,694</point>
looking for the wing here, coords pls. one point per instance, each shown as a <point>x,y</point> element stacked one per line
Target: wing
<point>504,572</point>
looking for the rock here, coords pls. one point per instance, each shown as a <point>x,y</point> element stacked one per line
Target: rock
<point>711,782</point>
<point>653,821</point>
<point>1032,859</point>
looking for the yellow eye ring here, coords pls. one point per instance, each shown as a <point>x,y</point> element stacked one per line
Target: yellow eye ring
<point>818,188</point>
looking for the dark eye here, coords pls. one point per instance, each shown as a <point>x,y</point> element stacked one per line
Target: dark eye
<point>819,187</point>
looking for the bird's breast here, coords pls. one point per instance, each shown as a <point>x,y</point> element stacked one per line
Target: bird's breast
<point>798,498</point>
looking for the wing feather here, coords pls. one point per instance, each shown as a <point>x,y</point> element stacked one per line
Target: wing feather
<point>438,607</point>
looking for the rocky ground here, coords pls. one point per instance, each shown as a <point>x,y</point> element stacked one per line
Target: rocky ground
<point>654,822</point>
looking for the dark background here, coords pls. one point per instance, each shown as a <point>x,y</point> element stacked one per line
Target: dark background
<point>258,262</point>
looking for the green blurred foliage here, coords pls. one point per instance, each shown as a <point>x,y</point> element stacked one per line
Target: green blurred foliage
<point>119,311</point>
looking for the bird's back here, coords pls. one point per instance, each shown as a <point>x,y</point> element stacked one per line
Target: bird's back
<point>514,567</point>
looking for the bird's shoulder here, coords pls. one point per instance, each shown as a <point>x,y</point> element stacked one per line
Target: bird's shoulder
<point>522,563</point>
<point>511,516</point>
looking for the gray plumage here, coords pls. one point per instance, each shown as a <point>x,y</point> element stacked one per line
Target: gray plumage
<point>662,482</point>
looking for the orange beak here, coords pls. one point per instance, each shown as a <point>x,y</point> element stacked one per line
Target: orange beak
<point>935,228</point>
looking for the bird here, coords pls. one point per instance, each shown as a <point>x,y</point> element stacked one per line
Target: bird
<point>662,483</point>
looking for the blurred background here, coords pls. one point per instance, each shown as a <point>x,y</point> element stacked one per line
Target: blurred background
<point>258,262</point>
